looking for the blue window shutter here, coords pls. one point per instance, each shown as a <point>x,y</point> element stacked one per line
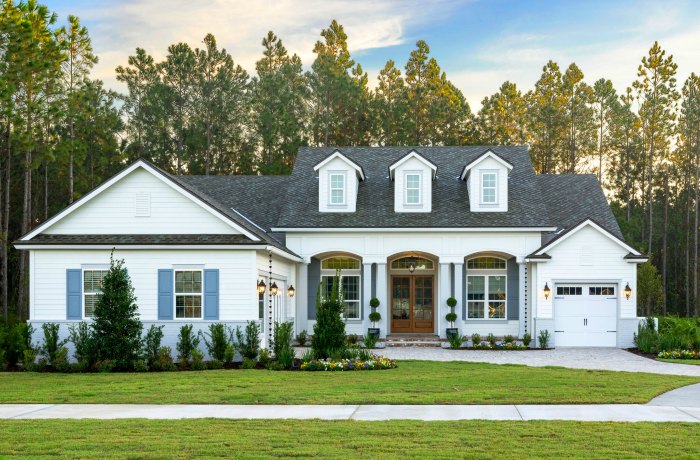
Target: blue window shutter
<point>513,289</point>
<point>74,293</point>
<point>165,294</point>
<point>211,294</point>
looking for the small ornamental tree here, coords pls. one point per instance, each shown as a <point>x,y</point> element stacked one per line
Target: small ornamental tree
<point>329,331</point>
<point>116,324</point>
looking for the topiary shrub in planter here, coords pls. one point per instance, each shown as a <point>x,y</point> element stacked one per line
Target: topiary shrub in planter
<point>375,317</point>
<point>451,317</point>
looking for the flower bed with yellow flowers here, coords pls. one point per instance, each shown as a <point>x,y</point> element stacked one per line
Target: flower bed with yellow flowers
<point>679,354</point>
<point>376,362</point>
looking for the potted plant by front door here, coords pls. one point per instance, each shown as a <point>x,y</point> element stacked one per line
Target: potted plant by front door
<point>451,331</point>
<point>375,317</point>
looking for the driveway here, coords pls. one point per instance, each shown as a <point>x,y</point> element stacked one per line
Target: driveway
<point>609,359</point>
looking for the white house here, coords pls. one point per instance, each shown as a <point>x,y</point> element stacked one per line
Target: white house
<point>520,252</point>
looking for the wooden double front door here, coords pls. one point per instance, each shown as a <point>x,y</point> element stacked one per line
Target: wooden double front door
<point>412,303</point>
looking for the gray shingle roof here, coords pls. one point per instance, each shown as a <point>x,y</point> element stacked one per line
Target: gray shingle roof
<point>572,198</point>
<point>450,205</point>
<point>196,239</point>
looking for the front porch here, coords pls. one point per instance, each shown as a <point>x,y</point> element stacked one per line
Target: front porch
<point>413,287</point>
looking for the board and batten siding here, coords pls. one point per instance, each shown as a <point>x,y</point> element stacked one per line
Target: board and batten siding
<point>588,256</point>
<point>122,209</point>
<point>237,278</point>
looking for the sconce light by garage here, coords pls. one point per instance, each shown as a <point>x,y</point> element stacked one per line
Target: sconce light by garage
<point>546,291</point>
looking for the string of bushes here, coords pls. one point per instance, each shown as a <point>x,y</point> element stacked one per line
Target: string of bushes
<point>672,334</point>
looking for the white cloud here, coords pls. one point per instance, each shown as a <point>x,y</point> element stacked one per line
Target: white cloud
<point>239,26</point>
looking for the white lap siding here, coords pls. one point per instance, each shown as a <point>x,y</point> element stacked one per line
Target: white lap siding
<point>114,211</point>
<point>237,277</point>
<point>587,257</point>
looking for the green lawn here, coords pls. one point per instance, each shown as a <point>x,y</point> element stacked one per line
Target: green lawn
<point>694,362</point>
<point>346,439</point>
<point>413,382</point>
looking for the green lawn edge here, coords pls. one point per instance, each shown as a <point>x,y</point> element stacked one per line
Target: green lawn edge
<point>346,439</point>
<point>692,362</point>
<point>413,382</point>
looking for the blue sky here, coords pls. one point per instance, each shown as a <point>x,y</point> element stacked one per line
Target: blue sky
<point>479,44</point>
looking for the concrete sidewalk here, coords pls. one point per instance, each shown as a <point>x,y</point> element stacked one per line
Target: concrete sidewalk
<point>584,413</point>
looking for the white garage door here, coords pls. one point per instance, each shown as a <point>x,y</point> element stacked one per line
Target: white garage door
<point>585,315</point>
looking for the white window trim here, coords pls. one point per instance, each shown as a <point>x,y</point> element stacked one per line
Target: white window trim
<point>495,188</point>
<point>486,273</point>
<point>89,268</point>
<point>420,188</point>
<point>326,272</point>
<point>344,175</point>
<point>175,293</point>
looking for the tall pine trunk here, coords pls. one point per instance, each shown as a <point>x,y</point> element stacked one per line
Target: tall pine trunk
<point>664,263</point>
<point>5,228</point>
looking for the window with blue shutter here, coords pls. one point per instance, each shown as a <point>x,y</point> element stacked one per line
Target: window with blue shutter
<point>74,294</point>
<point>211,294</point>
<point>165,294</point>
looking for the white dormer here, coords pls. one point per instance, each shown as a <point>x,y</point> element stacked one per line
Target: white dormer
<point>338,181</point>
<point>487,182</point>
<point>413,177</point>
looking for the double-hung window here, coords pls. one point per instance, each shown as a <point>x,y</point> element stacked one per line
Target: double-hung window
<point>188,294</point>
<point>489,181</point>
<point>412,188</point>
<point>349,282</point>
<point>337,186</point>
<point>92,288</point>
<point>486,288</point>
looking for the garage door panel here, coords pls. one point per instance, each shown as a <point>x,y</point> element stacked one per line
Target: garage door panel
<point>585,317</point>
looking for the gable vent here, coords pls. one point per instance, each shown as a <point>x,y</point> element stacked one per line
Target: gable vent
<point>586,255</point>
<point>142,204</point>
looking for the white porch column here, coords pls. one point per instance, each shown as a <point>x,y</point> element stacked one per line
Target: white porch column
<point>366,291</point>
<point>301,301</point>
<point>524,314</point>
<point>459,280</point>
<point>442,308</point>
<point>382,289</point>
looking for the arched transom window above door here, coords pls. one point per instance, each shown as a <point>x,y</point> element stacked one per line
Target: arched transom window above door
<point>350,274</point>
<point>486,288</point>
<point>413,263</point>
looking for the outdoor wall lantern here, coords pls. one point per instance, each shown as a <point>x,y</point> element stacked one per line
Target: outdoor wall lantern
<point>628,291</point>
<point>291,291</point>
<point>546,291</point>
<point>261,287</point>
<point>273,288</point>
<point>411,267</point>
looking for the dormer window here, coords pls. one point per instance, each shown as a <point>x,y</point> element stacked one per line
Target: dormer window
<point>489,186</point>
<point>413,189</point>
<point>487,182</point>
<point>337,184</point>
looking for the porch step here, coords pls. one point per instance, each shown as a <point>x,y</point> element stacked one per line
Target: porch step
<point>413,341</point>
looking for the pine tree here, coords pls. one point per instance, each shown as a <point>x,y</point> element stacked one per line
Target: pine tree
<point>546,119</point>
<point>604,103</point>
<point>656,87</point>
<point>391,107</point>
<point>329,336</point>
<point>78,60</point>
<point>501,120</point>
<point>116,324</point>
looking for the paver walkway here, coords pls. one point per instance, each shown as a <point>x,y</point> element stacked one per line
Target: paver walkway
<point>610,359</point>
<point>585,413</point>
